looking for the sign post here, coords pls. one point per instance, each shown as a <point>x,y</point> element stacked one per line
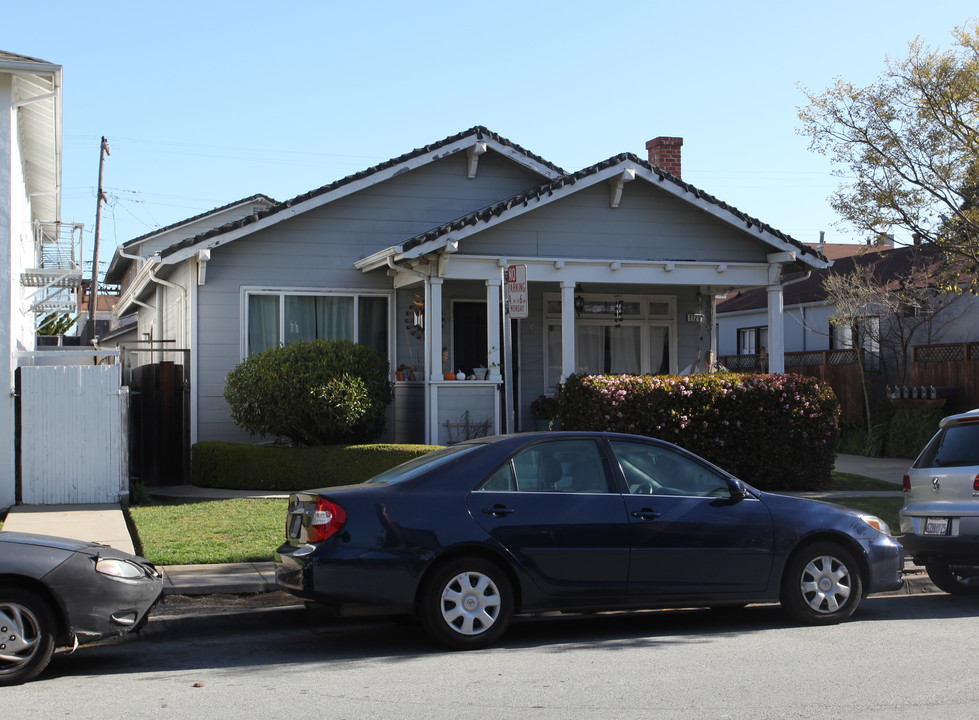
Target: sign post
<point>516,308</point>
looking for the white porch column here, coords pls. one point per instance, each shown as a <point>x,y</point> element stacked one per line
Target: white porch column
<point>433,356</point>
<point>776,331</point>
<point>567,329</point>
<point>494,298</point>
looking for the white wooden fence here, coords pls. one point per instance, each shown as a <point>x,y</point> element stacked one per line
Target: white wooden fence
<point>74,442</point>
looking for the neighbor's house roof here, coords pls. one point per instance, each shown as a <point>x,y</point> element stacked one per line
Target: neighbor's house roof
<point>36,89</point>
<point>888,264</point>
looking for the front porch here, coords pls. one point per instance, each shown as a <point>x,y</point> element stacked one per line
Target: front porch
<point>590,316</point>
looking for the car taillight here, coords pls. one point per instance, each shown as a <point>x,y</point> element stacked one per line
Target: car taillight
<point>975,484</point>
<point>327,519</point>
<point>906,483</point>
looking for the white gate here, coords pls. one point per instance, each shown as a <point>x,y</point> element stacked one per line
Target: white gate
<point>73,435</point>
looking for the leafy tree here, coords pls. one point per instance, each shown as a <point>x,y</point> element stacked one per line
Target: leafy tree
<point>908,146</point>
<point>57,323</point>
<point>313,393</point>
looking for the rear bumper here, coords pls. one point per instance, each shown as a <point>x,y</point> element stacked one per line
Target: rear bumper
<point>961,549</point>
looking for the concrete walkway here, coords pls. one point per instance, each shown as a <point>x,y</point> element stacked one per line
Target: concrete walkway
<point>106,524</point>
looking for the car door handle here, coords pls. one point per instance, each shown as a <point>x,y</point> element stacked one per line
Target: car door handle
<point>498,510</point>
<point>646,514</point>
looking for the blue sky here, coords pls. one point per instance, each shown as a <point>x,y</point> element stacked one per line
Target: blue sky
<point>205,103</point>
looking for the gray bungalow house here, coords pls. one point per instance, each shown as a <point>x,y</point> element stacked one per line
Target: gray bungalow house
<point>623,262</point>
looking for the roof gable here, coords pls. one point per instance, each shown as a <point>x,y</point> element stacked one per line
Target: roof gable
<point>476,141</point>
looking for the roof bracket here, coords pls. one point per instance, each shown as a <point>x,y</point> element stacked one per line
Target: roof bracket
<point>474,152</point>
<point>617,183</point>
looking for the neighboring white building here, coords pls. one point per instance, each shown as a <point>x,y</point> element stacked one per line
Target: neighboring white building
<point>30,207</point>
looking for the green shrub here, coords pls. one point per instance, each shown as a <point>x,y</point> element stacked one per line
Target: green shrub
<point>314,393</point>
<point>241,466</point>
<point>777,432</point>
<point>910,430</point>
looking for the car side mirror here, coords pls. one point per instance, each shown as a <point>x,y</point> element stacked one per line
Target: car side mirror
<point>738,490</point>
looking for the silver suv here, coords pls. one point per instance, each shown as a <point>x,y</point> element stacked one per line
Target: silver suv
<point>940,517</point>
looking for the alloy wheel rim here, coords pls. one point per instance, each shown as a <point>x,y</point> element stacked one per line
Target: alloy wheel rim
<point>470,603</point>
<point>825,584</point>
<point>20,637</point>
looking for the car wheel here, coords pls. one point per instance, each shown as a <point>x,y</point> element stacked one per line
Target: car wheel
<point>954,579</point>
<point>467,603</point>
<point>821,584</point>
<point>26,635</point>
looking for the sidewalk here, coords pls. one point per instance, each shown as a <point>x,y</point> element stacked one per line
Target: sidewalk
<point>106,524</point>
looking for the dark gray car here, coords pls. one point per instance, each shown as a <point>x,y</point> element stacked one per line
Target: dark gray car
<point>56,592</point>
<point>940,517</point>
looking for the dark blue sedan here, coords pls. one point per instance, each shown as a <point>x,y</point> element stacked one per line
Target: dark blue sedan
<point>466,537</point>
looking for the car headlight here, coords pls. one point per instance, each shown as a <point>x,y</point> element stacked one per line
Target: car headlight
<point>114,567</point>
<point>876,523</point>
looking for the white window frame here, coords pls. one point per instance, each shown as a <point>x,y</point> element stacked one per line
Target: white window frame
<point>282,293</point>
<point>645,320</point>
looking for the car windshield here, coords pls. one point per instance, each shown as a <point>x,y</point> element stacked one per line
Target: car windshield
<point>415,467</point>
<point>955,446</point>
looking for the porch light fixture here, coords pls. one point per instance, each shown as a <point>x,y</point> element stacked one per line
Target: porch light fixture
<point>579,304</point>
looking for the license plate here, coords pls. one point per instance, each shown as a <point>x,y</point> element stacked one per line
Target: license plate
<point>937,526</point>
<point>295,525</point>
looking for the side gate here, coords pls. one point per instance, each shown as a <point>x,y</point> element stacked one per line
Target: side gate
<point>159,429</point>
<point>71,435</point>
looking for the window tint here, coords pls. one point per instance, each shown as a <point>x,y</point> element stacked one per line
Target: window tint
<point>955,446</point>
<point>655,470</point>
<point>415,467</point>
<point>573,466</point>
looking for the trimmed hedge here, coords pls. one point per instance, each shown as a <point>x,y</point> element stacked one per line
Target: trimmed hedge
<point>241,466</point>
<point>776,432</point>
<point>910,430</point>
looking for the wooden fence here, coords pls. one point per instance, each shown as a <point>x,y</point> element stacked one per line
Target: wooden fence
<point>950,365</point>
<point>837,368</point>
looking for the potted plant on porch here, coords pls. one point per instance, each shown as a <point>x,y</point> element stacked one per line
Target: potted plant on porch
<point>545,412</point>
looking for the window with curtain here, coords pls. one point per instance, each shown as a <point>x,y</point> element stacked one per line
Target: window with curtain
<point>278,318</point>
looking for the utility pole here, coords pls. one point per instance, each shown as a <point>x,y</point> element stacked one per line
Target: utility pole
<point>94,295</point>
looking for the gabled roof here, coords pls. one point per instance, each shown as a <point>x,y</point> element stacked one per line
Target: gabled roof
<point>377,173</point>
<point>888,264</point>
<point>119,263</point>
<point>159,231</point>
<point>632,167</point>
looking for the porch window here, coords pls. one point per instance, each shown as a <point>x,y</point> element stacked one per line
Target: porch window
<point>614,335</point>
<point>276,318</point>
<point>751,340</point>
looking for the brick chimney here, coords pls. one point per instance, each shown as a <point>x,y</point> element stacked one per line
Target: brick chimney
<point>664,152</point>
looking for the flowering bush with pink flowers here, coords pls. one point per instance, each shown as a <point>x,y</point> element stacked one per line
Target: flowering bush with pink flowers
<point>777,432</point>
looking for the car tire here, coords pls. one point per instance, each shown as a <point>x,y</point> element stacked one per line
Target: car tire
<point>821,584</point>
<point>951,579</point>
<point>26,635</point>
<point>466,604</point>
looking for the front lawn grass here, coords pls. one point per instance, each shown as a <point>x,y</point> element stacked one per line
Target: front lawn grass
<point>245,530</point>
<point>210,531</point>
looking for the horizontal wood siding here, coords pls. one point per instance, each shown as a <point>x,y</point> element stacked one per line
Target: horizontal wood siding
<point>648,225</point>
<point>462,406</point>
